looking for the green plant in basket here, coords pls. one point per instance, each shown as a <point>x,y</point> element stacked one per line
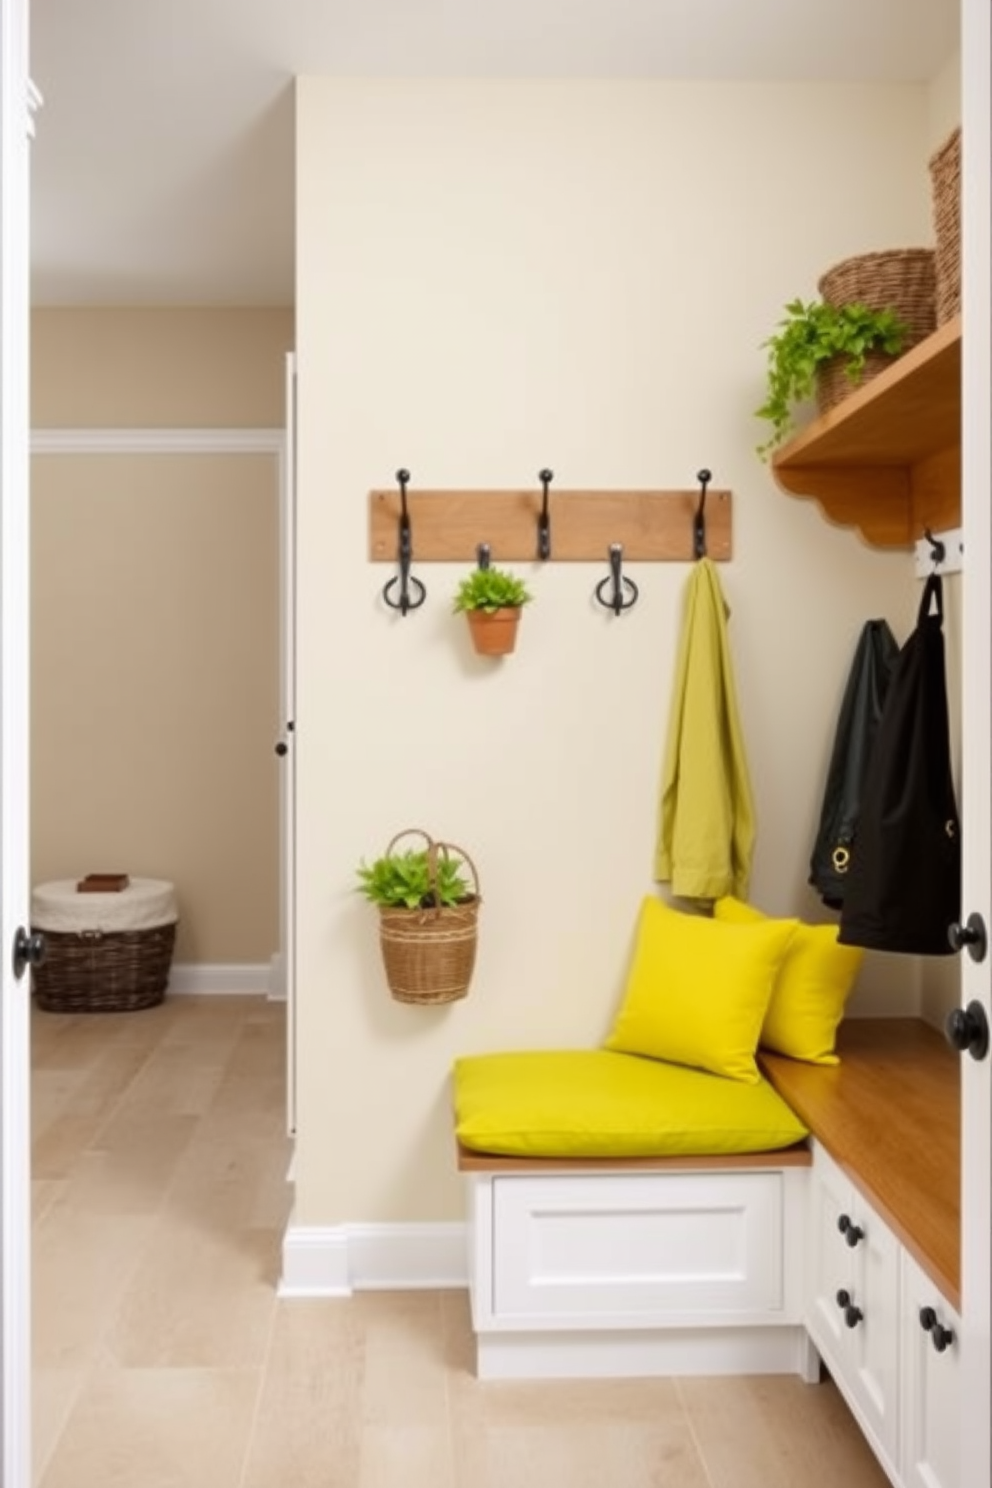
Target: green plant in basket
<point>403,880</point>
<point>491,589</point>
<point>810,335</point>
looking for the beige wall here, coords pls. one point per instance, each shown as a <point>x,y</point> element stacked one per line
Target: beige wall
<point>491,278</point>
<point>155,619</point>
<point>159,368</point>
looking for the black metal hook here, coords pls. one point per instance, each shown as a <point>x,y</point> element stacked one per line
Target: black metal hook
<point>544,520</point>
<point>624,592</point>
<point>938,550</point>
<point>483,554</point>
<point>407,601</point>
<point>699,520</point>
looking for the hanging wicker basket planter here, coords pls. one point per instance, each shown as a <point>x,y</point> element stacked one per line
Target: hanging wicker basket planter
<point>428,952</point>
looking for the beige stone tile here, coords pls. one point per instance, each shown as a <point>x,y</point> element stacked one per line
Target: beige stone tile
<point>409,1456</point>
<point>526,1434</point>
<point>156,1428</point>
<point>181,1080</point>
<point>53,1392</point>
<point>80,1266</point>
<point>308,1429</point>
<point>773,1431</point>
<point>129,1166</point>
<point>233,1177</point>
<point>197,1300</point>
<point>58,1148</point>
<point>457,1333</point>
<point>44,1192</point>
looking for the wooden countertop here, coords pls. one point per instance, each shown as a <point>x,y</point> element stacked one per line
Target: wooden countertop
<point>890,1115</point>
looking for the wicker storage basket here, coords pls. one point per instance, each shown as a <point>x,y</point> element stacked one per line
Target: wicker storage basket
<point>900,279</point>
<point>833,384</point>
<point>429,954</point>
<point>945,178</point>
<point>102,968</point>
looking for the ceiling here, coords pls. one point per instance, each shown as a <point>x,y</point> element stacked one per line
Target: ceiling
<point>163,160</point>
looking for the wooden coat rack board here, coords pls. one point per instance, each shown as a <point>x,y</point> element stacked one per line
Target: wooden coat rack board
<point>448,526</point>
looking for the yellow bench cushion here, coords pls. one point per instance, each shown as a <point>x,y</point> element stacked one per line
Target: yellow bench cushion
<point>596,1103</point>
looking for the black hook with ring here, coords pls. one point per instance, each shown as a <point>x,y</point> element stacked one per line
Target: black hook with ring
<point>411,592</point>
<point>699,520</point>
<point>623,591</point>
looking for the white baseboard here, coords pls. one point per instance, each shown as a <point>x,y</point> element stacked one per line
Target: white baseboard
<point>219,980</point>
<point>335,1260</point>
<point>649,1354</point>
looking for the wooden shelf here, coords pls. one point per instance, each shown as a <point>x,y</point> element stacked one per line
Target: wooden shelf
<point>888,459</point>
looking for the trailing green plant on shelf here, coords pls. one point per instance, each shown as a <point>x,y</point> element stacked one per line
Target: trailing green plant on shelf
<point>491,589</point>
<point>810,335</point>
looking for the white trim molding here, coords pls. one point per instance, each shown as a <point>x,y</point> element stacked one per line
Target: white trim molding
<point>101,441</point>
<point>336,1260</point>
<point>212,978</point>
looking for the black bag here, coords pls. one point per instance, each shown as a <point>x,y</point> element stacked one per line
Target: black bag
<point>904,885</point>
<point>857,724</point>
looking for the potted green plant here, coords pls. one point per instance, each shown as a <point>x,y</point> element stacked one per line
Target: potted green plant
<point>428,917</point>
<point>825,350</point>
<point>491,599</point>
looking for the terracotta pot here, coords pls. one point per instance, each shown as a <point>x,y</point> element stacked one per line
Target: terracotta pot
<point>494,633</point>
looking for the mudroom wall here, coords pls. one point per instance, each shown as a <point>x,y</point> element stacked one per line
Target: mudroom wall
<point>582,277</point>
<point>155,613</point>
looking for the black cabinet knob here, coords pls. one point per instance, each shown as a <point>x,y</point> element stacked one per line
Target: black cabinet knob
<point>282,748</point>
<point>970,936</point>
<point>967,1030</point>
<point>941,1337</point>
<point>852,1314</point>
<point>852,1233</point>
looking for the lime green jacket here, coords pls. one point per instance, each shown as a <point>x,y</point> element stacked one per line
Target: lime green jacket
<point>706,833</point>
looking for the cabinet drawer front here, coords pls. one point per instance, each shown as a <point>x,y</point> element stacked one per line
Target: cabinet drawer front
<point>639,1249</point>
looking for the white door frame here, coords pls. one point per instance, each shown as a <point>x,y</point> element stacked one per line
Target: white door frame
<point>976,1156</point>
<point>17,101</point>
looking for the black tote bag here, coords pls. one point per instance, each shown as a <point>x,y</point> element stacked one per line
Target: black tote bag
<point>903,889</point>
<point>857,725</point>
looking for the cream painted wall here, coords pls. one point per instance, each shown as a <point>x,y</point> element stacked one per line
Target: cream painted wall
<point>494,277</point>
<point>155,619</point>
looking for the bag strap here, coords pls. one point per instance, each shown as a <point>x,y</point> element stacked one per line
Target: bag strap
<point>933,589</point>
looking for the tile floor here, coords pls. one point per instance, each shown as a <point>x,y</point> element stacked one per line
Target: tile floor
<point>163,1358</point>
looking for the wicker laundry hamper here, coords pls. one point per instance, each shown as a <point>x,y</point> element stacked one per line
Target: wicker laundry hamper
<point>899,279</point>
<point>105,952</point>
<point>945,179</point>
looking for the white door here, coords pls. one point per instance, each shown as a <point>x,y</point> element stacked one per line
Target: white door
<point>287,743</point>
<point>15,1357</point>
<point>976,1372</point>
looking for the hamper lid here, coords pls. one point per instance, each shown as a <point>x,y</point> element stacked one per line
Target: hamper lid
<point>143,905</point>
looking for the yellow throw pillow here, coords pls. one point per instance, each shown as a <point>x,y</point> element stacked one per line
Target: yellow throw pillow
<point>698,990</point>
<point>591,1103</point>
<point>812,988</point>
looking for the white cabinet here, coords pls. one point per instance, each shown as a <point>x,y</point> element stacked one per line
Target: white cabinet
<point>853,1303</point>
<point>888,1337</point>
<point>626,1273</point>
<point>931,1386</point>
